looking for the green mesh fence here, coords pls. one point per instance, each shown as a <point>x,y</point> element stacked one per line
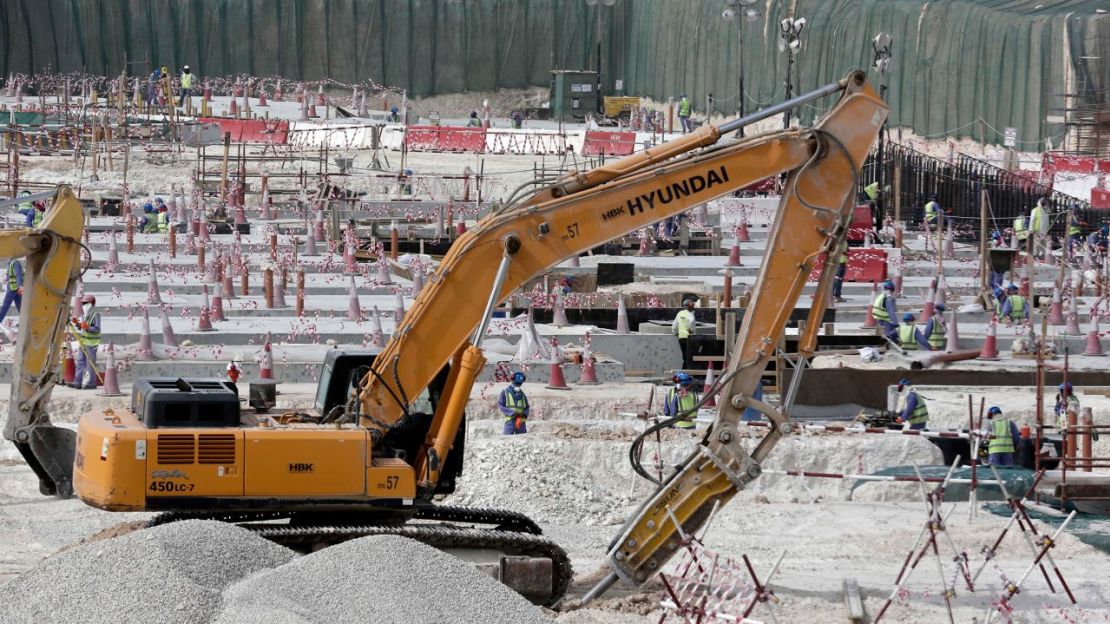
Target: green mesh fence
<point>955,61</point>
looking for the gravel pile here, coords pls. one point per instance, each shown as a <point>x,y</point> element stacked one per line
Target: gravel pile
<point>552,482</point>
<point>172,574</point>
<point>383,580</point>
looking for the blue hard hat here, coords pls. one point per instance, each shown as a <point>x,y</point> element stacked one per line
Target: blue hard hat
<point>888,285</point>
<point>903,382</point>
<point>148,207</point>
<point>518,378</point>
<point>907,317</point>
<point>994,410</point>
<point>998,291</point>
<point>1065,387</point>
<point>1012,287</point>
<point>684,379</point>
<point>393,110</point>
<point>939,307</point>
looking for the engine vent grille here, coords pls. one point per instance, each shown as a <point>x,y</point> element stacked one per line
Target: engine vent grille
<point>176,449</point>
<point>217,448</point>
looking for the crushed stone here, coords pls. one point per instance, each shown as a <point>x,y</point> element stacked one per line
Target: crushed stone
<point>380,579</point>
<point>170,574</point>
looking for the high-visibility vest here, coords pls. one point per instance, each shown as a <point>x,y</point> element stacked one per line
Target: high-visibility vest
<point>685,403</point>
<point>13,279</point>
<point>1019,228</point>
<point>1073,227</point>
<point>1036,219</point>
<point>1071,404</point>
<point>90,337</point>
<point>685,320</point>
<point>1017,308</point>
<point>878,308</point>
<point>163,222</point>
<point>906,335</point>
<point>474,123</point>
<point>932,209</point>
<point>186,80</point>
<point>872,190</point>
<point>517,403</point>
<point>920,414</point>
<point>843,249</point>
<point>1001,439</point>
<point>684,108</point>
<point>37,218</point>
<point>936,336</point>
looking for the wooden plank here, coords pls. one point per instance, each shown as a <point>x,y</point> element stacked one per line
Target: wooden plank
<point>852,600</point>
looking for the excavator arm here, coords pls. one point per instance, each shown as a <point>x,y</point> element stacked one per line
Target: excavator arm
<point>53,259</point>
<point>585,209</point>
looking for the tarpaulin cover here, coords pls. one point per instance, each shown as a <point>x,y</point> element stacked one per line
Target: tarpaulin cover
<point>954,61</point>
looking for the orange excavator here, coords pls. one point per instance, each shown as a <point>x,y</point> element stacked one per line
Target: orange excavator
<point>386,434</point>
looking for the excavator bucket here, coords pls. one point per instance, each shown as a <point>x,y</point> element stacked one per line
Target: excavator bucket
<point>52,264</point>
<point>50,451</point>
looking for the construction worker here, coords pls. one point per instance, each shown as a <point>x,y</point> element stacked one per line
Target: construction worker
<point>163,219</point>
<point>1097,240</point>
<point>39,210</point>
<point>885,310</point>
<point>911,406</point>
<point>682,326</point>
<point>684,114</point>
<point>88,336</point>
<point>933,211</point>
<point>152,86</point>
<point>149,223</point>
<point>1075,230</point>
<point>514,406</point>
<point>517,120</point>
<point>14,291</point>
<point>394,115</point>
<point>681,399</point>
<point>936,332</point>
<point>234,371</point>
<point>909,336</point>
<point>1038,217</point>
<point>26,208</point>
<point>1066,402</point>
<point>186,84</point>
<point>1002,436</point>
<point>1021,228</point>
<point>841,270</point>
<point>1016,308</point>
<point>474,122</point>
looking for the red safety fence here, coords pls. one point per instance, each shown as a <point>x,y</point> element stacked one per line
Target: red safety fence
<point>609,143</point>
<point>252,130</point>
<point>862,223</point>
<point>445,139</point>
<point>864,265</point>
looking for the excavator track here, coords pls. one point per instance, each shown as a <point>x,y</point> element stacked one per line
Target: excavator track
<point>437,536</point>
<point>508,532</point>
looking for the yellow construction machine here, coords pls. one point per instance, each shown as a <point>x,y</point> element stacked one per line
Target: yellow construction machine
<point>386,435</point>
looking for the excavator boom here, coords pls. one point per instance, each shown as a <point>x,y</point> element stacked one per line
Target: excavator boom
<point>53,259</point>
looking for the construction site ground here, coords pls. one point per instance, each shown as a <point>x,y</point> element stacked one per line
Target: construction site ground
<point>571,474</point>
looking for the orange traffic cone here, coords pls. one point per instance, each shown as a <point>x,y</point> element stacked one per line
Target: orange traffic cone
<point>1094,345</point>
<point>69,368</point>
<point>218,304</point>
<point>167,330</point>
<point>111,374</point>
<point>556,379</point>
<point>742,233</point>
<point>869,322</point>
<point>354,309</point>
<point>952,334</point>
<point>377,336</point>
<point>1056,309</point>
<point>733,256</point>
<point>204,321</point>
<point>989,351</point>
<point>622,316</point>
<point>1072,327</point>
<point>589,373</point>
<point>146,348</point>
<point>266,363</point>
<point>153,297</point>
<point>709,380</point>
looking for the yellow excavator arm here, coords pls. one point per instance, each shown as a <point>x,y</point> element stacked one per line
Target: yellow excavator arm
<point>583,210</point>
<point>52,266</point>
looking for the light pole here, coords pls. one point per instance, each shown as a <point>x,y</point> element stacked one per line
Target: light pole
<point>881,45</point>
<point>742,8</point>
<point>790,42</point>
<point>597,21</point>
